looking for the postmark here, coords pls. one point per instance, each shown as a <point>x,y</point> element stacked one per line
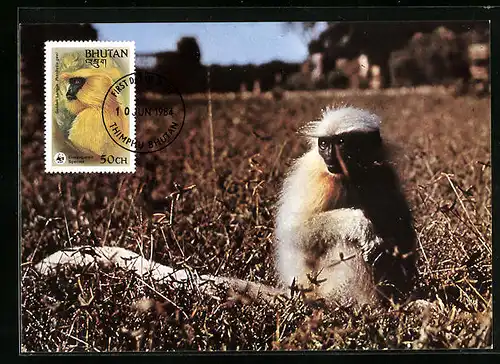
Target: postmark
<point>78,76</point>
<point>159,112</point>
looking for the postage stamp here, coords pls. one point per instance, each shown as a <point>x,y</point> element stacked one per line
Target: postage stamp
<point>82,103</point>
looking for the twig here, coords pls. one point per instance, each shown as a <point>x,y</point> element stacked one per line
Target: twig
<point>163,296</point>
<point>80,341</point>
<point>276,161</point>
<point>127,224</point>
<point>64,212</point>
<point>112,211</point>
<point>422,248</point>
<point>481,239</point>
<point>477,293</point>
<point>210,122</point>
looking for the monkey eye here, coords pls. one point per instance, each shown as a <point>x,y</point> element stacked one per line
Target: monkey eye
<point>322,144</point>
<point>77,81</point>
<point>340,141</point>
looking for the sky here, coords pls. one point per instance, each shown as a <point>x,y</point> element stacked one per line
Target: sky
<point>221,43</point>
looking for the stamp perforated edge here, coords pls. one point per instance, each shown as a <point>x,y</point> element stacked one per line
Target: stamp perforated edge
<point>48,109</point>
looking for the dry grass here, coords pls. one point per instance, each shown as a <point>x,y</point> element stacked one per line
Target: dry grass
<point>224,226</point>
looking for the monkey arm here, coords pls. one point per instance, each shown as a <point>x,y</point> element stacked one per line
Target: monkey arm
<point>346,244</point>
<point>330,253</point>
<point>346,225</point>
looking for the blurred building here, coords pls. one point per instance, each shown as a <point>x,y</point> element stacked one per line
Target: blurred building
<point>479,57</point>
<point>438,53</point>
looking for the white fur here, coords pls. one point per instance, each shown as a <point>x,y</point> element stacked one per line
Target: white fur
<point>337,121</point>
<point>291,215</point>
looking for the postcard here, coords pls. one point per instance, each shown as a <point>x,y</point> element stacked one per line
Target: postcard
<point>236,186</point>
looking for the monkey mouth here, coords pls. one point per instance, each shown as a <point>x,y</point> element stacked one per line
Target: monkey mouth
<point>335,167</point>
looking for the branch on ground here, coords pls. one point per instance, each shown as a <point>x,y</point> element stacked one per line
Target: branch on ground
<point>128,260</point>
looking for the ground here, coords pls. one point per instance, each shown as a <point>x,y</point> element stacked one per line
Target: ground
<point>224,226</point>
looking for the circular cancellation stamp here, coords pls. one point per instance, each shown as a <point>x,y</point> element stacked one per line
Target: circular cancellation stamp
<point>158,110</point>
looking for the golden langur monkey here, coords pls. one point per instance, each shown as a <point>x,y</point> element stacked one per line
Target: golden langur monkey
<point>343,227</point>
<point>85,94</point>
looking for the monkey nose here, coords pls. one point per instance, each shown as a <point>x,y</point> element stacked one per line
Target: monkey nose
<point>334,167</point>
<point>70,96</point>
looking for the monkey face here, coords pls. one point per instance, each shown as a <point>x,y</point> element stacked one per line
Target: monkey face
<point>75,84</point>
<point>88,87</point>
<point>351,151</point>
<point>328,150</point>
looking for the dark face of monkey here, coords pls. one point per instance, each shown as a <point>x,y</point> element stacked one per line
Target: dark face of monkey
<point>350,152</point>
<point>75,84</point>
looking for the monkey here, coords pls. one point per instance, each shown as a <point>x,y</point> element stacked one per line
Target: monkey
<point>344,229</point>
<point>85,94</point>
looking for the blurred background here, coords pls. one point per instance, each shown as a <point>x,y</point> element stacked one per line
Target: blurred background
<point>258,57</point>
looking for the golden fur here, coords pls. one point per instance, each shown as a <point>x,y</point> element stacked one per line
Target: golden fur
<point>325,190</point>
<point>87,132</point>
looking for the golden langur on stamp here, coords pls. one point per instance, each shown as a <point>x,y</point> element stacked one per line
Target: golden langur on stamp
<point>86,126</point>
<point>86,91</point>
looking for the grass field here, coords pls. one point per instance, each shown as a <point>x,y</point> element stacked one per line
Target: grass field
<point>224,226</point>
